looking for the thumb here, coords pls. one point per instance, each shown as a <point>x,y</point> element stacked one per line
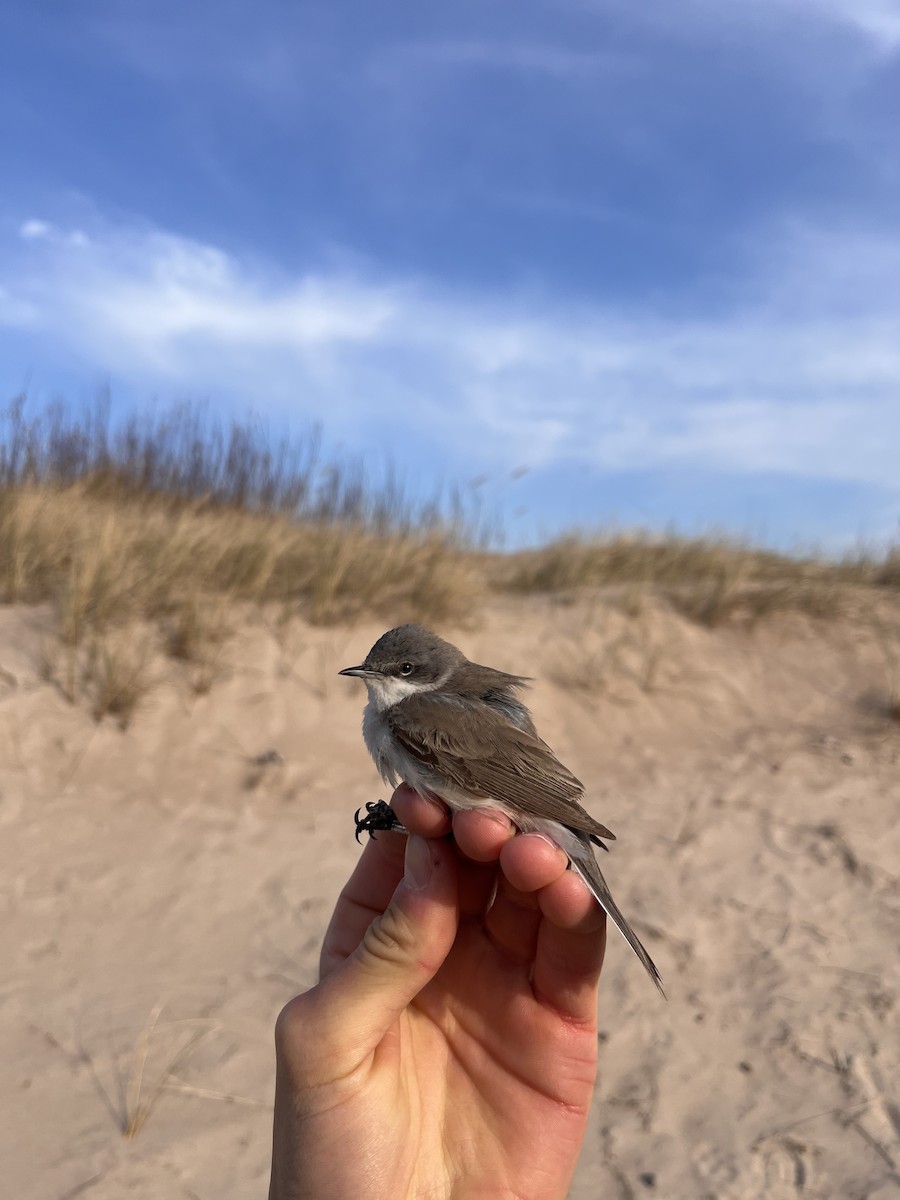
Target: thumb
<point>400,952</point>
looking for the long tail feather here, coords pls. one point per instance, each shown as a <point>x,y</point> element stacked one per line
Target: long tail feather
<point>586,866</point>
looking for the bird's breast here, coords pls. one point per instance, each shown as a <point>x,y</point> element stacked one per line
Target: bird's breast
<point>392,761</point>
<point>378,739</point>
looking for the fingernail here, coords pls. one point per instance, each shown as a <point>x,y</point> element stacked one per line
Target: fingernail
<point>498,818</point>
<point>417,864</point>
<point>545,837</point>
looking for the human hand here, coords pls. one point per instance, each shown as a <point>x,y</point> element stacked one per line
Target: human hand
<point>449,1050</point>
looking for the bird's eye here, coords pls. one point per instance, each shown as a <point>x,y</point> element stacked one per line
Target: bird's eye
<point>406,668</point>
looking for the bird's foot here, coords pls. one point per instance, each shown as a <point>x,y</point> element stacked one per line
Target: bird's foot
<point>379,817</point>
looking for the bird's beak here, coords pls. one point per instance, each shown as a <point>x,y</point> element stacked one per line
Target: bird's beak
<point>360,672</point>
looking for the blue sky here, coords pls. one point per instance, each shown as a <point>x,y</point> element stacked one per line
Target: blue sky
<point>649,251</point>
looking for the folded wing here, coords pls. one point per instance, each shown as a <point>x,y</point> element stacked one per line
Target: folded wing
<point>482,753</point>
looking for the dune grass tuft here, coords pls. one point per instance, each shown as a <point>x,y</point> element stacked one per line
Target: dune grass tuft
<point>158,521</point>
<point>710,581</point>
<point>171,521</point>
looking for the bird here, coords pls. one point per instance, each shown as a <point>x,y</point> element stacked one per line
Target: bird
<point>457,731</point>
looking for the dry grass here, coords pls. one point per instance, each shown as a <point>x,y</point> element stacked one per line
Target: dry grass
<point>169,522</point>
<point>710,581</point>
<point>886,573</point>
<point>151,538</point>
<point>150,1066</point>
<point>117,677</point>
<point>195,634</point>
<point>103,562</point>
<point>161,520</point>
<point>111,671</point>
<point>729,599</point>
<point>889,644</point>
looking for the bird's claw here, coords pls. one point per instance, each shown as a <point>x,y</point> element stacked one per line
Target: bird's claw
<point>379,817</point>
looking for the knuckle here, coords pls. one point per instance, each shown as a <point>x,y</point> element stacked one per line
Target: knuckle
<point>390,939</point>
<point>304,1042</point>
<point>290,1023</point>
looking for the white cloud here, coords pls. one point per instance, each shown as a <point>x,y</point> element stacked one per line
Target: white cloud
<point>802,376</point>
<point>33,229</point>
<point>142,298</point>
<point>878,20</point>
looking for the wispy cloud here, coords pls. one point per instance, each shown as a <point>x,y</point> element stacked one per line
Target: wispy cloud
<point>566,64</point>
<point>877,20</point>
<point>799,377</point>
<point>142,298</point>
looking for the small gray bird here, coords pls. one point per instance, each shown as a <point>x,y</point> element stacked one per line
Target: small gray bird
<point>457,731</point>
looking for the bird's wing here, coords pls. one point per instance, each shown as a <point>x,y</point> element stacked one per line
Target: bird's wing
<point>477,750</point>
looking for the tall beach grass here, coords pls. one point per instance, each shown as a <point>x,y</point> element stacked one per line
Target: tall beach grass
<point>169,519</point>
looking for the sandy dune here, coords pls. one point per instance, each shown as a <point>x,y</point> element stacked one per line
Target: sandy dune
<point>164,893</point>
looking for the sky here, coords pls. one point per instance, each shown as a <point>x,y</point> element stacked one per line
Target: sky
<point>617,264</point>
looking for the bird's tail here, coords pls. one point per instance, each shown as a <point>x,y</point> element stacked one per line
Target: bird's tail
<point>583,861</point>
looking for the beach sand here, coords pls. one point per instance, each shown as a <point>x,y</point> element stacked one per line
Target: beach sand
<point>164,891</point>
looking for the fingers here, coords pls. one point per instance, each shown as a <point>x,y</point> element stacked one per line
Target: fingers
<point>420,814</point>
<point>365,896</point>
<point>480,836</point>
<point>571,944</point>
<point>535,910</point>
<point>547,914</point>
<point>331,1029</point>
<point>541,912</point>
<point>479,833</point>
<point>379,870</point>
<point>482,833</point>
<point>544,914</point>
<point>529,863</point>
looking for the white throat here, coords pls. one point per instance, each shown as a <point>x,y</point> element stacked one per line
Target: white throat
<point>388,690</point>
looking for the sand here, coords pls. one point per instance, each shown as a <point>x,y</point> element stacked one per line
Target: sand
<point>164,892</point>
